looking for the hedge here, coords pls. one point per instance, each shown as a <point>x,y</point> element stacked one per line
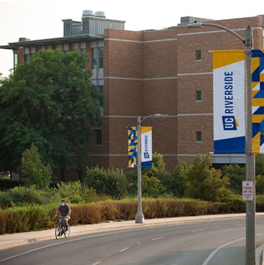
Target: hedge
<point>23,219</point>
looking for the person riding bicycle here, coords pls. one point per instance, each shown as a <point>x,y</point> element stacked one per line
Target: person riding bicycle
<point>65,212</point>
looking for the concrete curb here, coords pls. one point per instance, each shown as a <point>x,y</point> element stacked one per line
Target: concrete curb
<point>103,227</point>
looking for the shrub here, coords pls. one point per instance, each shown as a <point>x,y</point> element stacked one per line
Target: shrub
<point>158,170</point>
<point>20,196</point>
<point>111,182</point>
<point>152,187</point>
<point>35,171</point>
<point>205,182</point>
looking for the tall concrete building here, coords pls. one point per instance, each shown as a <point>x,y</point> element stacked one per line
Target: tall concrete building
<point>166,71</point>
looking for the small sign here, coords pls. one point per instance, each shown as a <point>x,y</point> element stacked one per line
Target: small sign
<point>248,190</point>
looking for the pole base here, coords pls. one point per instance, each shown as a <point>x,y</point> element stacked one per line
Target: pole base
<point>139,219</point>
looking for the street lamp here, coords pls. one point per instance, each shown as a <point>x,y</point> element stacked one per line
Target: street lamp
<point>250,157</point>
<point>139,216</point>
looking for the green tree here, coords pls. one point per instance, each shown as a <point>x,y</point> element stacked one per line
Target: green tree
<point>35,172</point>
<point>236,175</point>
<point>179,181</point>
<point>205,182</point>
<point>111,182</point>
<point>49,102</point>
<point>260,164</point>
<point>158,170</point>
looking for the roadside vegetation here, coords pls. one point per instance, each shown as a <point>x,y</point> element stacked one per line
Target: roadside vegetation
<point>194,189</point>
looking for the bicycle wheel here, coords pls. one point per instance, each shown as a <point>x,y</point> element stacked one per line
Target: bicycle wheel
<point>67,231</point>
<point>58,232</point>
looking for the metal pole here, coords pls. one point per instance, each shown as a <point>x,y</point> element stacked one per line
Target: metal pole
<point>250,157</point>
<point>139,216</point>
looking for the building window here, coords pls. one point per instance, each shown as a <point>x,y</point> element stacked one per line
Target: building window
<point>198,136</point>
<point>33,50</point>
<point>26,58</point>
<point>15,60</point>
<point>83,46</point>
<point>94,58</point>
<point>198,95</point>
<point>59,47</point>
<point>198,55</point>
<point>66,47</point>
<point>101,57</point>
<point>98,136</point>
<point>98,57</point>
<point>76,46</point>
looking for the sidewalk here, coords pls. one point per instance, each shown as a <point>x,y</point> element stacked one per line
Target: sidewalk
<point>11,240</point>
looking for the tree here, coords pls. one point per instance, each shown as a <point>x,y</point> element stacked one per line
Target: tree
<point>205,182</point>
<point>158,170</point>
<point>179,181</point>
<point>49,102</point>
<point>35,172</point>
<point>236,175</point>
<point>259,164</point>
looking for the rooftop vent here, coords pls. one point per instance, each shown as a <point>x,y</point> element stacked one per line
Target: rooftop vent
<point>100,14</point>
<point>88,13</point>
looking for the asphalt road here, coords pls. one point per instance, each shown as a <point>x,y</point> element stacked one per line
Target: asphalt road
<point>212,242</point>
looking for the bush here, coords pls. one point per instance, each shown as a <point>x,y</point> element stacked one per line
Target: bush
<point>205,182</point>
<point>111,182</point>
<point>22,196</point>
<point>158,170</point>
<point>152,187</point>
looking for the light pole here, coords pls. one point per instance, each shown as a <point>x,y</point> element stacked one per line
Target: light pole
<point>139,216</point>
<point>250,157</point>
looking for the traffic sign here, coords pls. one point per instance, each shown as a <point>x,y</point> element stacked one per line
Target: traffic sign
<point>248,190</point>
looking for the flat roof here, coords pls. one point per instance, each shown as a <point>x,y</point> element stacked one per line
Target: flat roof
<point>75,38</point>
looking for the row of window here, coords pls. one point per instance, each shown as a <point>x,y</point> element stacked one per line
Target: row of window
<point>98,136</point>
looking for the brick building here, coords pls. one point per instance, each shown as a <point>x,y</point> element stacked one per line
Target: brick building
<point>165,71</point>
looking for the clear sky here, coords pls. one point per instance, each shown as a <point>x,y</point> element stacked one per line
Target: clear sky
<point>42,19</point>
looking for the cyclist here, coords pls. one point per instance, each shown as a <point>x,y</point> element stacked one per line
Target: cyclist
<point>65,212</point>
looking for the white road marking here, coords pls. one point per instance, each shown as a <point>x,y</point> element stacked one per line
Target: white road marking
<point>157,238</point>
<point>238,225</point>
<point>66,242</point>
<point>217,249</point>
<point>124,249</point>
<point>97,263</point>
<point>199,230</point>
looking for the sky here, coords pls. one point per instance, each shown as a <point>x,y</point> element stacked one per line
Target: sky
<point>43,19</point>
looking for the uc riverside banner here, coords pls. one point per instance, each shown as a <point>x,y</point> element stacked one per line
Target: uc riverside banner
<point>257,101</point>
<point>229,107</point>
<point>146,147</point>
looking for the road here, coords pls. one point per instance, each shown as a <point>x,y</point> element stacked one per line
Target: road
<point>212,242</point>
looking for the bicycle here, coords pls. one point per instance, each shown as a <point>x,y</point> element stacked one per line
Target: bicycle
<point>62,229</point>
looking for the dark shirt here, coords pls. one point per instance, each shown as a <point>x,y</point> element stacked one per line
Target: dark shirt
<point>64,209</point>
